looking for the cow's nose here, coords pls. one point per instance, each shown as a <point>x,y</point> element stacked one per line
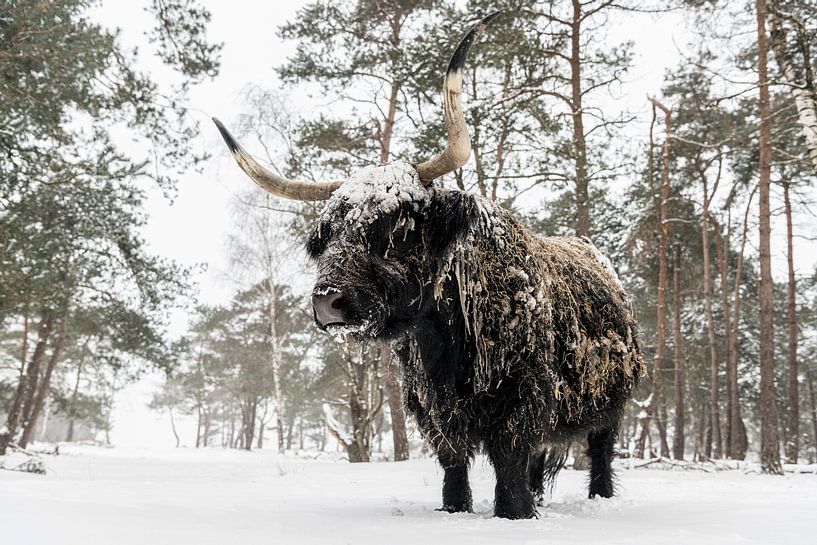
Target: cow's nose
<point>327,308</point>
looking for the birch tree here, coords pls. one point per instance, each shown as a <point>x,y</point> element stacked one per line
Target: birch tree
<point>792,41</point>
<point>263,250</point>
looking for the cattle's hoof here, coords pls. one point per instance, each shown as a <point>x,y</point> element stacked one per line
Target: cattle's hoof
<point>455,509</point>
<point>594,495</point>
<point>516,514</point>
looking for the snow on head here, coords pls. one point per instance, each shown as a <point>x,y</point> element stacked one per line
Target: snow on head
<point>376,190</point>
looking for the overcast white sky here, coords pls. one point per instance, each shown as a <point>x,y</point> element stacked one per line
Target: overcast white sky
<point>193,229</point>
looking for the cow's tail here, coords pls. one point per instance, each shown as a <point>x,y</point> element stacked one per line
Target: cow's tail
<point>554,462</point>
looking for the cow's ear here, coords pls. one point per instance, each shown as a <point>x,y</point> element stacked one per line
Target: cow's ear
<point>450,215</point>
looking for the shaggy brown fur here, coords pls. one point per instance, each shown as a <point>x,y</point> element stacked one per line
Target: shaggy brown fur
<point>510,342</point>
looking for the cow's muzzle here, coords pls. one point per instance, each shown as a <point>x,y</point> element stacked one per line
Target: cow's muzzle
<point>326,306</point>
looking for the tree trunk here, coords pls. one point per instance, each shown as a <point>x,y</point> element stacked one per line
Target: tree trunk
<point>173,426</point>
<point>792,395</point>
<point>680,378</point>
<point>737,445</point>
<point>720,250</point>
<point>359,448</point>
<point>378,431</point>
<point>362,386</point>
<point>391,109</point>
<point>275,342</point>
<point>658,399</point>
<point>208,418</point>
<point>769,440</point>
<point>279,430</point>
<point>356,451</point>
<point>33,371</point>
<point>642,428</point>
<point>198,426</point>
<point>290,432</point>
<point>13,418</point>
<point>261,425</point>
<point>239,442</point>
<point>362,408</point>
<point>109,411</point>
<point>248,425</point>
<point>700,434</point>
<point>24,347</point>
<point>813,402</point>
<point>44,386</point>
<point>579,142</point>
<point>388,129</point>
<point>708,432</point>
<point>707,429</point>
<point>505,132</point>
<point>232,429</point>
<point>42,428</point>
<point>69,436</point>
<point>656,410</point>
<point>398,414</point>
<point>714,389</point>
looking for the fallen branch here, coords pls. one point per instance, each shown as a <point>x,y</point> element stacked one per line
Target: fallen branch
<point>709,465</point>
<point>33,464</point>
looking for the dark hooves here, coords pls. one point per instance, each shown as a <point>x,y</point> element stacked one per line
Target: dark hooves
<point>517,515</point>
<point>594,495</point>
<point>455,509</point>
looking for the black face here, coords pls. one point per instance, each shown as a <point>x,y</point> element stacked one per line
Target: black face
<point>371,276</point>
<point>377,247</point>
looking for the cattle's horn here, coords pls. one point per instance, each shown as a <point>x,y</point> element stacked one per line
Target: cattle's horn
<point>458,150</point>
<point>269,181</point>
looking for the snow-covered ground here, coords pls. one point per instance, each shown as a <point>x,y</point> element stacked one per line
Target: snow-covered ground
<point>96,496</point>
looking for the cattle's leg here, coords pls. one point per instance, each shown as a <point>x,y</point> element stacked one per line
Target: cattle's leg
<point>457,490</point>
<point>601,451</point>
<point>513,496</point>
<point>454,453</point>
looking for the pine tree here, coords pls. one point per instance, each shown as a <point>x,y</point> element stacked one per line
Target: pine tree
<point>584,67</point>
<point>69,242</point>
<point>770,443</point>
<point>360,52</point>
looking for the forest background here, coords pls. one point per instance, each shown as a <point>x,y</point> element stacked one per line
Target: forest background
<point>139,267</point>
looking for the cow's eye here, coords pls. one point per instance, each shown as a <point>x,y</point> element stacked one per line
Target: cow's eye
<point>319,239</point>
